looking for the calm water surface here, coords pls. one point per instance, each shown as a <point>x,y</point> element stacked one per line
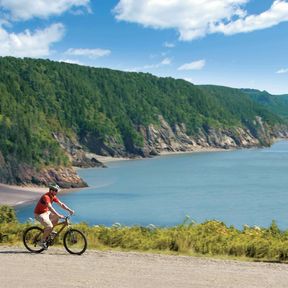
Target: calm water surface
<point>237,187</point>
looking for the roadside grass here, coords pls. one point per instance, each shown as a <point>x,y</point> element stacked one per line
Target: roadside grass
<point>209,239</point>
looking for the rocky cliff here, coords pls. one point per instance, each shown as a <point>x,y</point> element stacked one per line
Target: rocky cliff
<point>156,139</point>
<point>14,173</point>
<point>173,139</point>
<point>164,138</point>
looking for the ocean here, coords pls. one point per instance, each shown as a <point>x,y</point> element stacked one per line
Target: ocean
<point>247,186</point>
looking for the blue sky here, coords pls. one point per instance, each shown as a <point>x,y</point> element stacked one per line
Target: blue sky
<point>236,43</point>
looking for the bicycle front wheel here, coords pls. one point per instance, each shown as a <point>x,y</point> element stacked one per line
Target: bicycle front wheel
<point>75,242</point>
<point>31,237</point>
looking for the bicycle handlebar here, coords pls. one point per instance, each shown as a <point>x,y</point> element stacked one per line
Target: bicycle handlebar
<point>65,219</point>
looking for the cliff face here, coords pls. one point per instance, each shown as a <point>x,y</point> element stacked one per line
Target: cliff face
<point>76,152</point>
<point>14,173</point>
<point>157,138</point>
<point>65,177</point>
<point>164,138</point>
<point>83,152</point>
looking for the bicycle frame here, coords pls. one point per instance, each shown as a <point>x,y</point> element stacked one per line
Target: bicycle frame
<point>64,224</point>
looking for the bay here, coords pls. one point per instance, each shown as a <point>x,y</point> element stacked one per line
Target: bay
<point>248,186</point>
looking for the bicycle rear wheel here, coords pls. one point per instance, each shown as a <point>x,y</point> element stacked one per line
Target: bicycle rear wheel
<point>75,242</point>
<point>31,237</point>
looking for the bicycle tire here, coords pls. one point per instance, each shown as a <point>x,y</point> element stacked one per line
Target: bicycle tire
<point>75,242</point>
<point>31,237</point>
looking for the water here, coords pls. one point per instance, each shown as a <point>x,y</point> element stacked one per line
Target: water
<point>237,187</point>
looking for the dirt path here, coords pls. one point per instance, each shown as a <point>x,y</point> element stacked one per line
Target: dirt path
<point>56,268</point>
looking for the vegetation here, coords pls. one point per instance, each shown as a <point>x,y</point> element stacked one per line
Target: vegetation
<point>277,104</point>
<point>211,238</point>
<point>241,104</point>
<point>39,98</point>
<point>7,214</point>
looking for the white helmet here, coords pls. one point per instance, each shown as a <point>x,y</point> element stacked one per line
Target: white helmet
<point>54,187</point>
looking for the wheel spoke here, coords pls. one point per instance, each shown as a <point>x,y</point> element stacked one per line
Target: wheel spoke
<point>31,237</point>
<point>75,241</point>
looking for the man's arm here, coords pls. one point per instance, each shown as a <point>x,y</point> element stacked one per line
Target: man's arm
<point>62,205</point>
<point>50,207</point>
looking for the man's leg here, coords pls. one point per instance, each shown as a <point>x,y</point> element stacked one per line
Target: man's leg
<point>53,218</point>
<point>44,219</point>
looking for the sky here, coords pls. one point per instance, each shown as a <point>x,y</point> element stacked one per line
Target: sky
<point>235,43</point>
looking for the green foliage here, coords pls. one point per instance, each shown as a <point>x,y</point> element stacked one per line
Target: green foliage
<point>241,106</point>
<point>39,98</point>
<point>209,238</point>
<point>212,238</point>
<point>277,104</point>
<point>7,214</point>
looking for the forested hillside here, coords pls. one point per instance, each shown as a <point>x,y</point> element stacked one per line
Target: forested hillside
<point>277,104</point>
<point>52,113</point>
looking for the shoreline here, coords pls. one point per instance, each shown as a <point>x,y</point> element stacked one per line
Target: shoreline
<point>108,159</point>
<point>197,150</point>
<point>13,195</point>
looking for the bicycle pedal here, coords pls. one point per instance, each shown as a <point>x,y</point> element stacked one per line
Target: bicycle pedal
<point>43,244</point>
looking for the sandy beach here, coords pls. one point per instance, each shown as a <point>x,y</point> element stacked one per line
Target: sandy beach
<point>16,195</point>
<point>13,195</point>
<point>196,150</point>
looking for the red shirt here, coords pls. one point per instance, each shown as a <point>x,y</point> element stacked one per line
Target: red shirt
<point>42,205</point>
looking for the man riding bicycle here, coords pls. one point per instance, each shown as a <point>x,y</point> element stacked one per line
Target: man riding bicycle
<point>46,214</point>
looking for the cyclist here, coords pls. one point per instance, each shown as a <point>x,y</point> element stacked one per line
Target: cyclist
<point>46,214</point>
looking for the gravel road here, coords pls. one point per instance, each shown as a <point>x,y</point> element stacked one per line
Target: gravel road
<point>56,268</point>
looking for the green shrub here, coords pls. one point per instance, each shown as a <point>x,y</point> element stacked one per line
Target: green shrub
<point>7,214</point>
<point>208,238</point>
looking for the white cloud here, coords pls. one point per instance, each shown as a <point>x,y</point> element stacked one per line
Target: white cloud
<point>169,45</point>
<point>194,20</point>
<point>166,61</point>
<point>282,71</point>
<point>91,53</point>
<point>276,14</point>
<point>27,9</point>
<point>195,65</point>
<point>34,43</point>
<point>30,44</point>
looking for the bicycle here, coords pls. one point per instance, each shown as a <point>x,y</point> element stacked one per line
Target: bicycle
<point>74,240</point>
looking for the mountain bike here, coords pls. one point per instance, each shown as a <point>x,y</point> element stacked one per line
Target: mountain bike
<point>74,240</point>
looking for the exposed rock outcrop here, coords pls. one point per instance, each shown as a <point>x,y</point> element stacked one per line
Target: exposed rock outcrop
<point>65,177</point>
<point>157,138</point>
<point>76,153</point>
<point>280,131</point>
<point>162,137</point>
